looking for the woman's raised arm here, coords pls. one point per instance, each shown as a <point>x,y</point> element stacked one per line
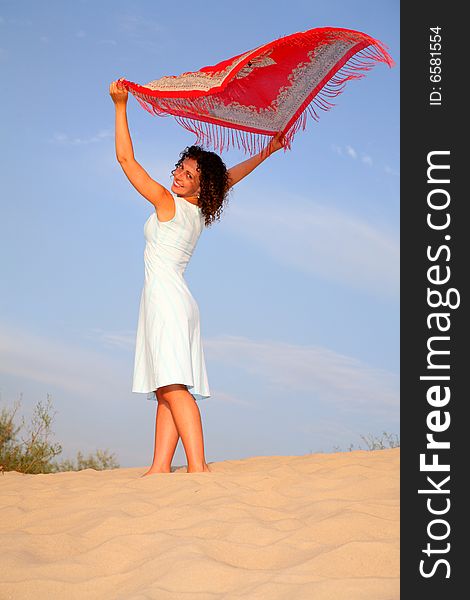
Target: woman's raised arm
<point>137,175</point>
<point>238,172</point>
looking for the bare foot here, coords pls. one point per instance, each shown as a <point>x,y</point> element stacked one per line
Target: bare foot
<point>152,471</point>
<point>204,470</point>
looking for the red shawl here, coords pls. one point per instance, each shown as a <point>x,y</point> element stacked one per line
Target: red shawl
<point>247,99</point>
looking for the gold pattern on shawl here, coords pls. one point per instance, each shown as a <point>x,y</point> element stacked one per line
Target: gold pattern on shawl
<point>195,81</point>
<point>303,79</point>
<point>255,63</point>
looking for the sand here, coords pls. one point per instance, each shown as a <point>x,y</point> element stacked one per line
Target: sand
<point>319,526</point>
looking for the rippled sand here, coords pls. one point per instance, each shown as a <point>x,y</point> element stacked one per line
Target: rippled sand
<point>319,526</point>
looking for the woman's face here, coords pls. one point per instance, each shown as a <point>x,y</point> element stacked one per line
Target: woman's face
<point>186,179</point>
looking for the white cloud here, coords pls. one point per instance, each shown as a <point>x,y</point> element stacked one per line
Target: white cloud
<point>108,42</point>
<point>353,153</point>
<point>327,375</point>
<point>324,241</point>
<point>135,25</point>
<point>331,391</point>
<point>390,171</point>
<point>124,340</point>
<point>330,376</point>
<point>81,371</point>
<point>220,396</point>
<point>19,22</point>
<point>140,30</point>
<point>65,139</point>
<point>337,149</point>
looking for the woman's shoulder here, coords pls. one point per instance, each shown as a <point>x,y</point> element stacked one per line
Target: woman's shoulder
<point>166,210</point>
<point>182,211</point>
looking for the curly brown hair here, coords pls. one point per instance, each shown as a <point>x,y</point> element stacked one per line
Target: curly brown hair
<point>214,181</point>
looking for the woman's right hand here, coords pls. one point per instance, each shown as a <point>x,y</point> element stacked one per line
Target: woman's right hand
<point>118,92</point>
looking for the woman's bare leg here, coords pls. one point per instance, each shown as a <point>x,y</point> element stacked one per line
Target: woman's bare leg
<point>187,419</point>
<point>166,438</point>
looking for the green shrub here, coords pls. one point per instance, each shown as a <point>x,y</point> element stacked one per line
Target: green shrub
<point>386,440</point>
<point>375,442</point>
<point>27,448</point>
<point>100,461</point>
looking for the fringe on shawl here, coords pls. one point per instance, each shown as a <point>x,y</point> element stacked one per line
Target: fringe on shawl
<point>355,67</point>
<point>222,137</point>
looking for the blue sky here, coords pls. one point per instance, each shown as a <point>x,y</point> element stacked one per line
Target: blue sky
<point>297,286</point>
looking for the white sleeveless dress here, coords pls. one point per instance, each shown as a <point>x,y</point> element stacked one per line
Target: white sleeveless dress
<point>168,343</point>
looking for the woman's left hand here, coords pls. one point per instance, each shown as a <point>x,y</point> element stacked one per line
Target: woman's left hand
<point>277,142</point>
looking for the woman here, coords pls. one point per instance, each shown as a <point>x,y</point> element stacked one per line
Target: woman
<point>169,357</point>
